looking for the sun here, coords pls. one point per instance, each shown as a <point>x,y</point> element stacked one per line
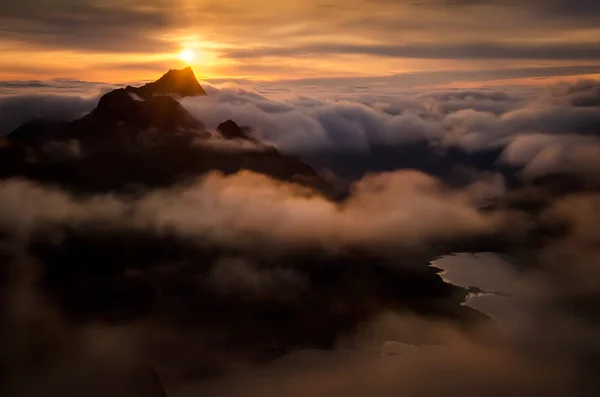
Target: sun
<point>187,55</point>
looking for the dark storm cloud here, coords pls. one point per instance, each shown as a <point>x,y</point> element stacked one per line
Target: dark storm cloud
<point>546,51</point>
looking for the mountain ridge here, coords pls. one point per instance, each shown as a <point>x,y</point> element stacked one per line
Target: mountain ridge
<point>142,135</point>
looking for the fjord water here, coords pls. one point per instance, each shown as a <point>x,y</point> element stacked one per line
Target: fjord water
<point>496,286</point>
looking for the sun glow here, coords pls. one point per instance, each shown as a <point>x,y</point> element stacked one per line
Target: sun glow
<point>187,55</point>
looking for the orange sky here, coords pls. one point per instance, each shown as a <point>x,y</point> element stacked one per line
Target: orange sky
<point>134,40</point>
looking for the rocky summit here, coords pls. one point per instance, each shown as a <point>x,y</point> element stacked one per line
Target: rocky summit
<point>181,83</point>
<point>231,130</point>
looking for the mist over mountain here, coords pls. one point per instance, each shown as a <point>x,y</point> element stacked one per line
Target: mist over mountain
<point>172,239</point>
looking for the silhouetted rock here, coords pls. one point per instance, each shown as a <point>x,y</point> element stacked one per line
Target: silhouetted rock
<point>230,130</point>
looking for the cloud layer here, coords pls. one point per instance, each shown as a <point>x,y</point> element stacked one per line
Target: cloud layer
<point>554,131</point>
<point>353,131</point>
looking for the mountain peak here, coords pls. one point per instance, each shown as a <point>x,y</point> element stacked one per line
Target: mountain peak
<point>180,82</point>
<point>184,75</point>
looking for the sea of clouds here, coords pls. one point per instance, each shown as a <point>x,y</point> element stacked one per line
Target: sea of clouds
<point>259,227</point>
